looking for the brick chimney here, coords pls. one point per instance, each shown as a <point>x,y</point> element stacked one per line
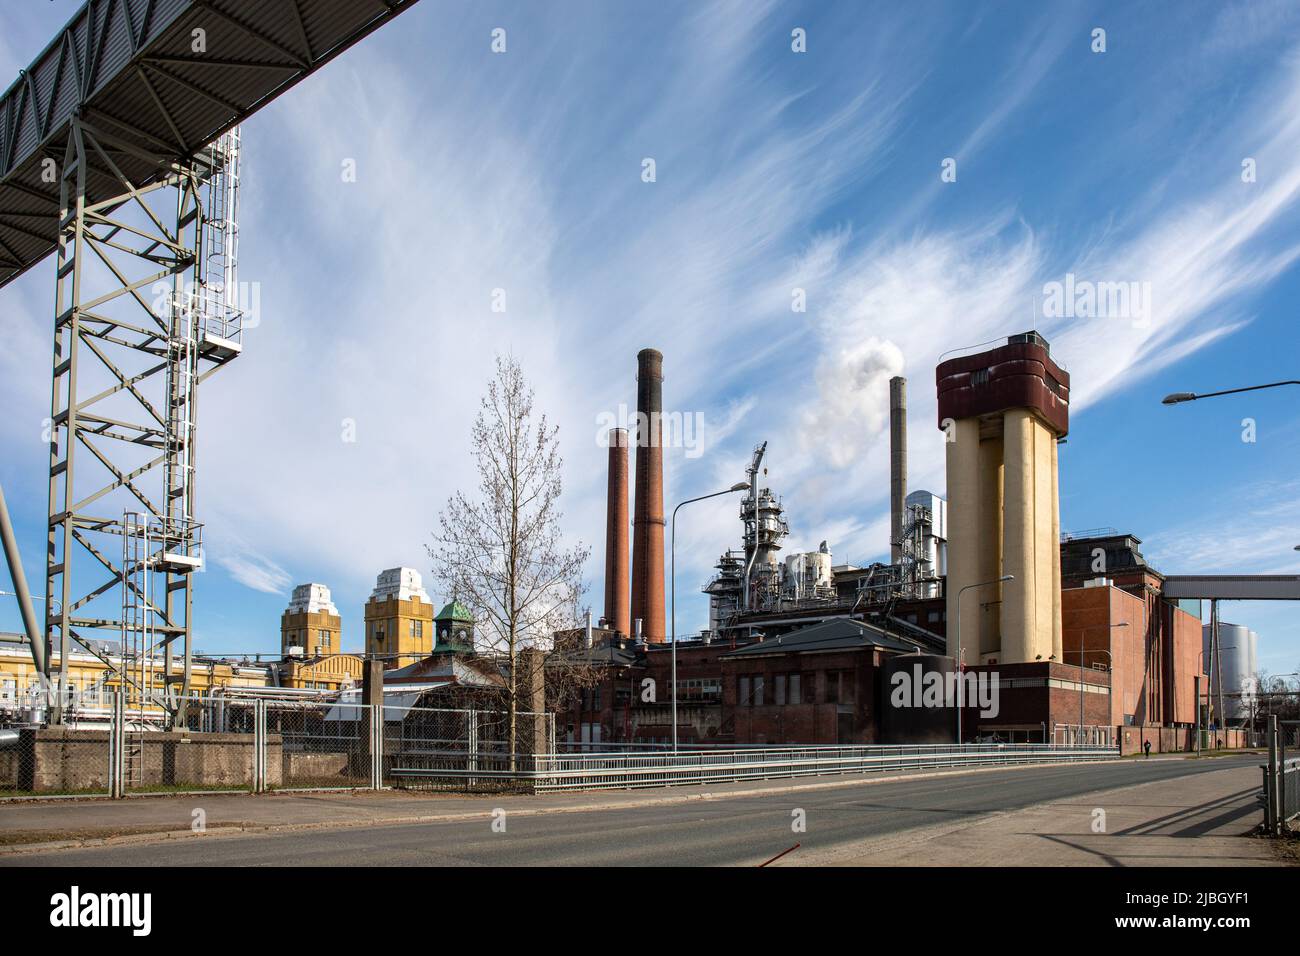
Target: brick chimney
<point>648,528</point>
<point>617,582</point>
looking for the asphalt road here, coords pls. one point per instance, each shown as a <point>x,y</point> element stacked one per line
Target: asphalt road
<point>720,831</point>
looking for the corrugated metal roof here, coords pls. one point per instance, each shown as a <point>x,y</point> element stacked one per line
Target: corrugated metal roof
<point>130,68</point>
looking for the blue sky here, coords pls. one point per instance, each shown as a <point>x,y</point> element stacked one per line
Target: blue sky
<point>775,170</point>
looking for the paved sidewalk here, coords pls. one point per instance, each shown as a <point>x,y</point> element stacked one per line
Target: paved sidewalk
<point>1200,822</point>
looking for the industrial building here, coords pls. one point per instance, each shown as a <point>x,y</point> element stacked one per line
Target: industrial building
<point>798,648</point>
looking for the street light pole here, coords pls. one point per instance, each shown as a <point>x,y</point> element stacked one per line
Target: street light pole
<point>1112,671</point>
<point>957,658</point>
<point>672,585</point>
<point>1176,398</point>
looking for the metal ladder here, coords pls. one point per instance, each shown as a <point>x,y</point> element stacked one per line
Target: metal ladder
<point>220,314</point>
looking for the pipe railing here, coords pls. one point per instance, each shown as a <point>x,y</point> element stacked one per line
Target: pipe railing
<point>552,772</point>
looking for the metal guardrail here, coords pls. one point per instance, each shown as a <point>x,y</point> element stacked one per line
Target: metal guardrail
<point>551,773</point>
<point>1280,794</point>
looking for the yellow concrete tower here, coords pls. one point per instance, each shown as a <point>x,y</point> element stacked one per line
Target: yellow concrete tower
<point>311,642</point>
<point>399,618</point>
<point>310,626</point>
<point>1002,412</point>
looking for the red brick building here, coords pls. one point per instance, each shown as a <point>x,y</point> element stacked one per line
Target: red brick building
<point>817,685</point>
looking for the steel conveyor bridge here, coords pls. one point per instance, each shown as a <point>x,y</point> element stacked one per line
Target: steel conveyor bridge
<point>136,69</point>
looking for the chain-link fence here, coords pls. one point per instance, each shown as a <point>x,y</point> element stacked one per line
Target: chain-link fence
<point>427,748</point>
<point>320,745</point>
<point>191,744</point>
<point>258,744</point>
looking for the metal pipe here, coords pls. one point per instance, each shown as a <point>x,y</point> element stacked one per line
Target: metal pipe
<point>35,638</point>
<point>897,466</point>
<point>753,494</point>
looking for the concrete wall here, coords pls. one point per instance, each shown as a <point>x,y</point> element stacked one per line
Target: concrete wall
<point>1175,739</point>
<point>60,760</point>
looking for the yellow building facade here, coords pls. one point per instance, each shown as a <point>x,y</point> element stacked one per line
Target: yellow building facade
<point>399,619</point>
<point>310,626</point>
<point>92,680</point>
<point>311,643</point>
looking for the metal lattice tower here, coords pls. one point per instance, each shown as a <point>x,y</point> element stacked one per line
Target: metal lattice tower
<point>102,164</point>
<point>146,309</point>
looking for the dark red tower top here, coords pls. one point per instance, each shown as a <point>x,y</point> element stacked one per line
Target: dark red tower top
<point>1020,374</point>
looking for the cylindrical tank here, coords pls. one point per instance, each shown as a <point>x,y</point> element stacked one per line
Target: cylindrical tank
<point>912,685</point>
<point>1236,657</point>
<point>817,569</point>
<point>794,574</point>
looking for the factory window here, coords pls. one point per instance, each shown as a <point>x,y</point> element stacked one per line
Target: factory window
<point>742,692</point>
<point>778,691</point>
<point>758,691</point>
<point>839,687</point>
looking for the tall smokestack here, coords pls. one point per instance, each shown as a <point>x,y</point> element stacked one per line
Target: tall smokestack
<point>897,466</point>
<point>648,528</point>
<point>617,583</point>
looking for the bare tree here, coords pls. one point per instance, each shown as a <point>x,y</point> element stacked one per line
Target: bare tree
<point>502,553</point>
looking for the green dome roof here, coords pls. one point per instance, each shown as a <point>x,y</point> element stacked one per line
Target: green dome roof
<point>455,611</point>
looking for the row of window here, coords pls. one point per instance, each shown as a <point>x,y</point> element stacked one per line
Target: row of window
<point>377,630</point>
<point>782,690</point>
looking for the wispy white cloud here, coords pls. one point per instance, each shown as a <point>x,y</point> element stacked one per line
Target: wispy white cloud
<point>255,571</point>
<point>522,172</point>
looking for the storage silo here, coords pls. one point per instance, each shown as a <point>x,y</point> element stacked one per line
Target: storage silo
<point>1237,658</point>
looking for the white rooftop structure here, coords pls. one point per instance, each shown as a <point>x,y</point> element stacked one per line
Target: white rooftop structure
<point>312,599</point>
<point>405,584</point>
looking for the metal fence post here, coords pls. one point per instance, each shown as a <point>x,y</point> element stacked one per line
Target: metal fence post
<point>117,746</point>
<point>259,746</point>
<point>1273,782</point>
<point>377,746</point>
<point>472,744</point>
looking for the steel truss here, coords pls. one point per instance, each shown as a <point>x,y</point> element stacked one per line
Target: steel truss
<point>145,310</point>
